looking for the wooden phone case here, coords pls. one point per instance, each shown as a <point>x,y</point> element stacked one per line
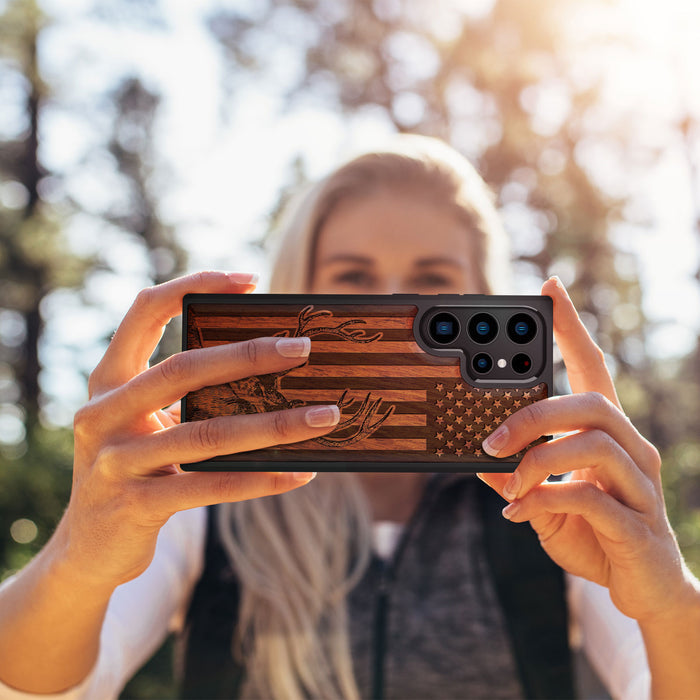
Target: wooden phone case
<point>405,406</point>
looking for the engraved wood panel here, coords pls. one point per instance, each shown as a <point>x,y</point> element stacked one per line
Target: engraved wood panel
<point>398,403</point>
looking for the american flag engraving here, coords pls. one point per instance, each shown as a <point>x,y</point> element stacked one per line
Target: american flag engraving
<point>398,403</point>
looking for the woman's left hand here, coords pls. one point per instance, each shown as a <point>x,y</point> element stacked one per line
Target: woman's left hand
<point>608,523</point>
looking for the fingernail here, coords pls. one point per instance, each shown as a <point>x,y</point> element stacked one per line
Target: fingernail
<point>512,488</point>
<point>510,510</point>
<point>322,416</point>
<point>559,284</point>
<point>303,476</point>
<point>496,441</point>
<point>243,277</point>
<point>480,476</point>
<point>294,347</point>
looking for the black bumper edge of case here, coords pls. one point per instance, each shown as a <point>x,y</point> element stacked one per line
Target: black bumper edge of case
<point>468,467</point>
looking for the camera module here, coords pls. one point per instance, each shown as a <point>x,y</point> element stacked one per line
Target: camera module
<point>522,363</point>
<point>444,328</point>
<point>482,363</point>
<point>522,328</point>
<point>483,328</point>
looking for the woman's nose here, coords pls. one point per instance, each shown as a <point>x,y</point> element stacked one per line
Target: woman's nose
<point>391,285</point>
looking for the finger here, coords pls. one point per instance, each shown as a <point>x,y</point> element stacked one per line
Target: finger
<point>142,327</point>
<point>496,480</point>
<point>592,450</point>
<point>176,492</point>
<point>607,516</point>
<point>564,414</point>
<point>584,360</point>
<point>201,440</point>
<point>173,413</point>
<point>187,371</point>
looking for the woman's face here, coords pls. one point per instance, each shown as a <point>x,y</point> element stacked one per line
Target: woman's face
<point>393,243</point>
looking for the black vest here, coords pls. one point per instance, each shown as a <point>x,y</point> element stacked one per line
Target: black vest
<point>529,586</point>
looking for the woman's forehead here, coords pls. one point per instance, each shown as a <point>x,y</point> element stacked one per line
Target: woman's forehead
<point>362,228</point>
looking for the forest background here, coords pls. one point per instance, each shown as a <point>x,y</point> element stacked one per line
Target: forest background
<point>140,140</point>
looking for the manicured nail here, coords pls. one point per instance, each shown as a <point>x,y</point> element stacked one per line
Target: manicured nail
<point>243,277</point>
<point>303,477</point>
<point>557,281</point>
<point>322,416</point>
<point>511,510</point>
<point>559,284</point>
<point>294,347</point>
<point>512,488</point>
<point>496,441</point>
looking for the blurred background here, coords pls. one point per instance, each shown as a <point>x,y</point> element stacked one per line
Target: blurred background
<point>142,139</point>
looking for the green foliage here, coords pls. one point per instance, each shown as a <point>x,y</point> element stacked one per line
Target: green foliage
<point>35,485</point>
<point>682,489</point>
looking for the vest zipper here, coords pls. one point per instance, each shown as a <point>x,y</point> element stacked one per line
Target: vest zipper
<point>387,571</point>
<point>379,636</point>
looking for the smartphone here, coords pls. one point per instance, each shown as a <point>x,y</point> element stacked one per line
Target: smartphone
<point>420,380</point>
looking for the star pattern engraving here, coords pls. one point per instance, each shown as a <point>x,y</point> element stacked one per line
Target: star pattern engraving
<point>468,415</point>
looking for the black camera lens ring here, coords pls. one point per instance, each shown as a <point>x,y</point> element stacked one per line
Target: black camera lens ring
<point>482,363</point>
<point>444,328</point>
<point>521,328</point>
<point>482,328</point>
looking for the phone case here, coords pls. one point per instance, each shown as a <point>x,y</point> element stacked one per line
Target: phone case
<point>407,403</point>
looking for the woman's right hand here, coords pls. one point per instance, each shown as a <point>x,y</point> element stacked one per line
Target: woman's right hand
<point>126,477</point>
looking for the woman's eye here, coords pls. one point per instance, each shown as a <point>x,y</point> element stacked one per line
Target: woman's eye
<point>433,280</point>
<point>358,278</point>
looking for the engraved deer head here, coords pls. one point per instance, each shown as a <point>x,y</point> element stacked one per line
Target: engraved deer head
<point>263,393</point>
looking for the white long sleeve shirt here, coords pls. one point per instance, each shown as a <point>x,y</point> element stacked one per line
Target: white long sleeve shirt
<point>143,611</point>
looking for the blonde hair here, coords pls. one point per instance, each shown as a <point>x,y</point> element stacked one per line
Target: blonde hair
<point>422,166</point>
<point>297,555</point>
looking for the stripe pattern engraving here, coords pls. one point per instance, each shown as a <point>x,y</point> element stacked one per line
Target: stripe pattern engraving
<point>398,403</point>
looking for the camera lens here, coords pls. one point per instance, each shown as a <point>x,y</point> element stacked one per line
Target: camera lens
<point>522,363</point>
<point>444,328</point>
<point>482,328</point>
<point>522,328</point>
<point>482,363</point>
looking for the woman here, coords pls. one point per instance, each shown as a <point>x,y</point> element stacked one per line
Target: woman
<point>416,220</point>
